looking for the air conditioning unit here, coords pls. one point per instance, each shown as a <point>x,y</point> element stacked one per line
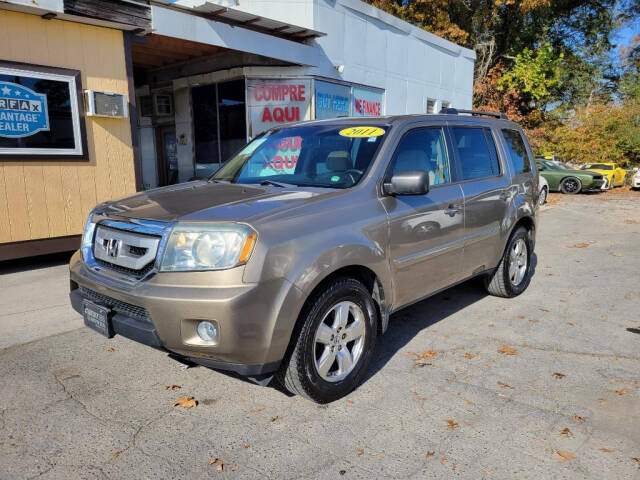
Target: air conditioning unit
<point>106,104</point>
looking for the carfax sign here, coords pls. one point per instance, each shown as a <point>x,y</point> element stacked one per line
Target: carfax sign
<point>23,112</point>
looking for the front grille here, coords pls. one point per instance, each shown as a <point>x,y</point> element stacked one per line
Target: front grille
<point>123,308</point>
<point>137,274</point>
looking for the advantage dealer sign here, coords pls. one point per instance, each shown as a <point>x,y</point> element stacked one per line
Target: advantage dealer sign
<point>23,112</point>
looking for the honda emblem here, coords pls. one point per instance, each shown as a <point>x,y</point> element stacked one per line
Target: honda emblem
<point>112,246</point>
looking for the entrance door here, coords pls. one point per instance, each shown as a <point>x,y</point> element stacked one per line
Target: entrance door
<point>426,237</point>
<point>167,155</point>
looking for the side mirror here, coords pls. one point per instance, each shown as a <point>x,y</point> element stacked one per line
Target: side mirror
<point>541,167</point>
<point>414,182</point>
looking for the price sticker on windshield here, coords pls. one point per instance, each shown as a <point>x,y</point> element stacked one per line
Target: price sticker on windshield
<point>361,132</point>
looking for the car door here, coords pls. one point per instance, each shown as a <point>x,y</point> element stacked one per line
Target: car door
<point>426,231</point>
<point>486,187</point>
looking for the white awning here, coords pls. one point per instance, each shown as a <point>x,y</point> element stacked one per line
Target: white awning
<point>188,23</point>
<point>215,11</point>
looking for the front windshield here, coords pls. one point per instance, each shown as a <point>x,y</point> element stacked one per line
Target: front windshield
<point>316,155</point>
<point>597,166</point>
<point>553,165</point>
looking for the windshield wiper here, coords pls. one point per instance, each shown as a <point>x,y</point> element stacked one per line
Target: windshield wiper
<point>275,184</point>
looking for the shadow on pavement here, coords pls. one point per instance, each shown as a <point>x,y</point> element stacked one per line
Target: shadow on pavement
<point>34,263</point>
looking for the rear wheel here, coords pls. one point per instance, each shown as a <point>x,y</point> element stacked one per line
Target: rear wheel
<point>334,343</point>
<point>571,185</point>
<point>513,274</point>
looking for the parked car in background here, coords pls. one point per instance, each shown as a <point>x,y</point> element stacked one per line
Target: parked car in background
<point>543,190</point>
<point>565,180</point>
<point>635,180</point>
<point>614,174</point>
<point>294,270</point>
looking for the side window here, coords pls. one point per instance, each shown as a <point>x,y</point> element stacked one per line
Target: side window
<point>493,151</point>
<point>473,153</point>
<point>423,149</point>
<point>517,151</point>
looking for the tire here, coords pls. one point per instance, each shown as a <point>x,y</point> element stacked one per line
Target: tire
<point>501,282</point>
<point>300,372</point>
<point>570,186</point>
<point>542,199</point>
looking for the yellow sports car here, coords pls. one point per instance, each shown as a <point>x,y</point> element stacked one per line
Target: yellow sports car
<point>613,173</point>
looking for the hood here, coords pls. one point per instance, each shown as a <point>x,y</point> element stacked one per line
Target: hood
<point>209,201</point>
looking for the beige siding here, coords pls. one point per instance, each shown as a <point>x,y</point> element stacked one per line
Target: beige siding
<point>49,198</point>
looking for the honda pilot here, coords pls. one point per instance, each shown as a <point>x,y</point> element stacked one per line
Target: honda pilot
<point>289,260</point>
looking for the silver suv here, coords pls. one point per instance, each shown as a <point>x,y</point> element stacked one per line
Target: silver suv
<point>290,259</point>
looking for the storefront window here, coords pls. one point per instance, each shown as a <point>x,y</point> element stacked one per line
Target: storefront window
<point>367,102</point>
<point>274,101</point>
<point>39,112</point>
<point>233,120</point>
<point>205,125</point>
<point>332,99</point>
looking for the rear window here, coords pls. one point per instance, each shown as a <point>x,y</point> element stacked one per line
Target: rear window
<point>476,152</point>
<point>517,151</point>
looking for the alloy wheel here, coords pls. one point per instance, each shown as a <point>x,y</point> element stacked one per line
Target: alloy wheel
<point>518,262</point>
<point>339,341</point>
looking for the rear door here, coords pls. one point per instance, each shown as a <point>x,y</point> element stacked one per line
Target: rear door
<point>426,231</point>
<point>487,192</point>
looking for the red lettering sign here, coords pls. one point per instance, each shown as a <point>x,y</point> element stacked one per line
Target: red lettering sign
<point>279,93</point>
<point>368,107</point>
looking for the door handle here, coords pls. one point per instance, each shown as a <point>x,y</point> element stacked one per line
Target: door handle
<point>453,209</point>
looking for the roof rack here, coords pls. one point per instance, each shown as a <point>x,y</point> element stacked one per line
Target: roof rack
<point>455,111</point>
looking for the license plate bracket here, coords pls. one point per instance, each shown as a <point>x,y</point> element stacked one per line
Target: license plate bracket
<point>98,318</point>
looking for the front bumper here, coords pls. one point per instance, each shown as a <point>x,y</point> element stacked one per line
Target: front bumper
<point>254,320</point>
<point>635,183</point>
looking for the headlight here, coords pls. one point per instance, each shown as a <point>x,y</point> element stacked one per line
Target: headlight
<point>87,237</point>
<point>194,246</point>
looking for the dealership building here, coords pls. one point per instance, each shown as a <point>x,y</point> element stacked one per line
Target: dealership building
<point>100,99</point>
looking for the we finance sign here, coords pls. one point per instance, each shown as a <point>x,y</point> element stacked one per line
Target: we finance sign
<point>23,112</point>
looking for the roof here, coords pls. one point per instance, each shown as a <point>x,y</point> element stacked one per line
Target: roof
<point>232,16</point>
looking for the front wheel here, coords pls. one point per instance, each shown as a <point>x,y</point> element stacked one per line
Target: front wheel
<point>513,274</point>
<point>571,185</point>
<point>334,343</point>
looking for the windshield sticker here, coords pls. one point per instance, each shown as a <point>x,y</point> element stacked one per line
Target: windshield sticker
<point>361,132</point>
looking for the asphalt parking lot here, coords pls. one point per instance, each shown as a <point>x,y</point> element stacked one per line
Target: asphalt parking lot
<point>463,385</point>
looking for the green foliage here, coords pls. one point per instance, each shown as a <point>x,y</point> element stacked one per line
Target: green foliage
<point>535,73</point>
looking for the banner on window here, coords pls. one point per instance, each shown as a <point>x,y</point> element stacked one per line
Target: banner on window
<point>274,101</point>
<point>332,99</point>
<point>367,103</point>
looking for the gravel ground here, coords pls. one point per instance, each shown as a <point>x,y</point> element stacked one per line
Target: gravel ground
<point>463,385</point>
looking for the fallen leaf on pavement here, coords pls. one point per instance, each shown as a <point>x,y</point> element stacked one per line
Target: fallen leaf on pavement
<point>620,391</point>
<point>451,424</point>
<point>637,459</point>
<point>185,402</point>
<point>602,401</point>
<point>257,410</point>
<point>522,317</point>
<point>504,385</point>
<point>578,419</point>
<point>421,359</point>
<point>563,456</point>
<point>544,310</point>
<point>558,375</point>
<point>566,432</point>
<point>109,349</point>
<point>377,455</point>
<point>507,350</point>
<point>115,453</point>
<point>491,325</point>
<point>360,452</point>
<point>580,245</point>
<point>276,418</point>
<point>615,254</point>
<point>442,460</point>
<point>468,356</point>
<point>606,450</point>
<point>245,445</point>
<point>172,387</point>
<point>534,320</point>
<point>630,221</point>
<point>429,454</point>
<point>213,460</point>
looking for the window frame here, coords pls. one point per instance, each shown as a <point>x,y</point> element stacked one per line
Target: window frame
<point>447,149</point>
<point>458,162</point>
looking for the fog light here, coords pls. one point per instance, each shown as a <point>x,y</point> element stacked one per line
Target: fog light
<point>207,331</point>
